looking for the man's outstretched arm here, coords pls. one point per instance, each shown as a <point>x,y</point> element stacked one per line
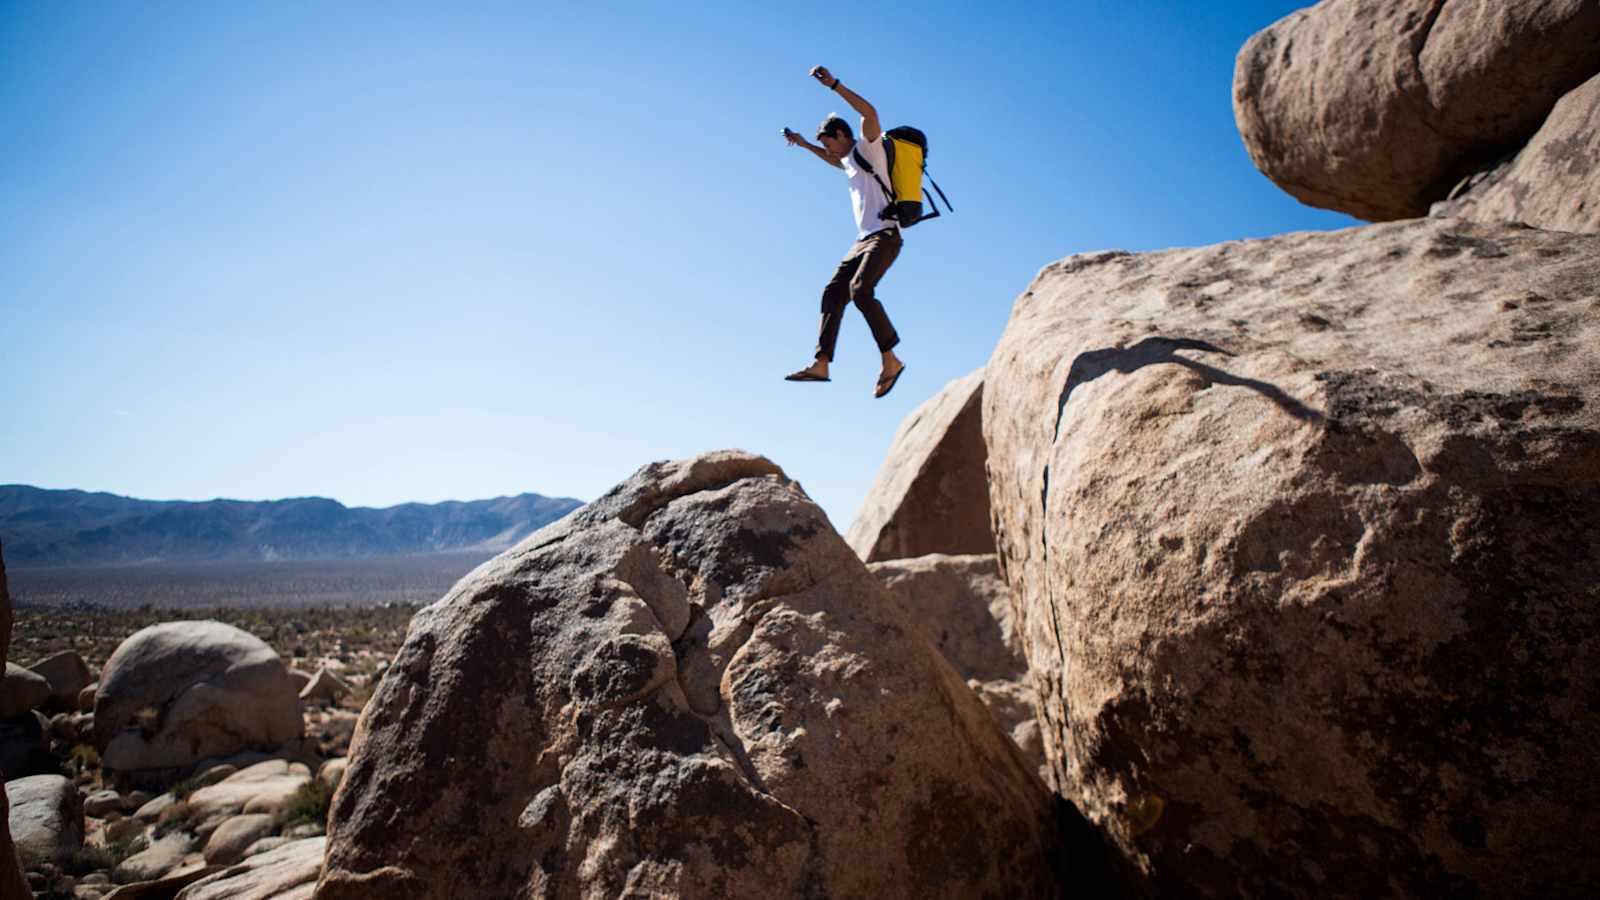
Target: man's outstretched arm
<point>796,140</point>
<point>870,129</point>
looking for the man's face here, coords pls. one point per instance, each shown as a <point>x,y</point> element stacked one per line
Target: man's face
<point>836,144</point>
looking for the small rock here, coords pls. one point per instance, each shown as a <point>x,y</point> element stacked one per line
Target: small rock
<point>215,774</point>
<point>102,803</point>
<point>64,726</point>
<point>229,841</point>
<point>151,810</point>
<point>161,857</point>
<point>326,687</point>
<point>267,845</point>
<point>123,830</point>
<point>332,771</point>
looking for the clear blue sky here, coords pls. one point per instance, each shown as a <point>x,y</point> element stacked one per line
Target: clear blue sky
<point>389,252</point>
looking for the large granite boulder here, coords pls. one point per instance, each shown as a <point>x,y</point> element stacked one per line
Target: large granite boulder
<point>67,675</point>
<point>46,818</point>
<point>690,688</point>
<point>1553,182</point>
<point>962,606</point>
<point>1378,107</point>
<point>931,494</point>
<point>22,691</point>
<point>175,693</point>
<point>1304,535</point>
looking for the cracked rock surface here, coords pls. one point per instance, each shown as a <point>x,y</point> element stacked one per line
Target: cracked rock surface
<point>1304,536</point>
<point>692,688</point>
<point>1377,108</point>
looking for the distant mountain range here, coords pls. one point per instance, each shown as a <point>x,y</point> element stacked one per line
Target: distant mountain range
<point>41,528</point>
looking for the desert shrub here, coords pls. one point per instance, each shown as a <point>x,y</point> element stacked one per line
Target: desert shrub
<point>177,817</point>
<point>309,804</point>
<point>148,719</point>
<point>187,786</point>
<point>103,857</point>
<point>83,758</point>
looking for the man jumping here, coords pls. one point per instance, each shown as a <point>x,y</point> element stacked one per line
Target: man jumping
<point>877,239</point>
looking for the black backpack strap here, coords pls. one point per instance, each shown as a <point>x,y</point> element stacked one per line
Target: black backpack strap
<point>941,192</point>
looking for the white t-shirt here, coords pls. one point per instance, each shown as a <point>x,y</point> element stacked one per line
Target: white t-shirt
<point>866,197</point>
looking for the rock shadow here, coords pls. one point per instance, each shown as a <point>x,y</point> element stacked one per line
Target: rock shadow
<point>1153,350</point>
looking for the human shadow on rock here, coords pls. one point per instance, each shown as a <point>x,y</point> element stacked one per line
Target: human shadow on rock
<point>1152,350</point>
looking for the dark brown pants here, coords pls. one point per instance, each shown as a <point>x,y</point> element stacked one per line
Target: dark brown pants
<point>856,282</point>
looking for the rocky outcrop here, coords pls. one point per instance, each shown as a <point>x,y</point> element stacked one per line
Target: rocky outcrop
<point>175,693</point>
<point>1553,182</point>
<point>1304,536</point>
<point>1378,107</point>
<point>693,688</point>
<point>931,494</point>
<point>962,606</point>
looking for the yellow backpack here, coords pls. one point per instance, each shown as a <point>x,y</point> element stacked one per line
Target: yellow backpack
<point>907,151</point>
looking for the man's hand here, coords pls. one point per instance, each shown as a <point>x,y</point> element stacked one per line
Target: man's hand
<point>822,74</point>
<point>794,138</point>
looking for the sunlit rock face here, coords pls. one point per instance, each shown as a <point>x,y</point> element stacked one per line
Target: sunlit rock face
<point>1304,537</point>
<point>1377,108</point>
<point>690,688</point>
<point>931,494</point>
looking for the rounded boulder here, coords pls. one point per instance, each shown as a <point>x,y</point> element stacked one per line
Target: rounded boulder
<point>178,692</point>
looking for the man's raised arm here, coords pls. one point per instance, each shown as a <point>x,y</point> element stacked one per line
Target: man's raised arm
<point>870,129</point>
